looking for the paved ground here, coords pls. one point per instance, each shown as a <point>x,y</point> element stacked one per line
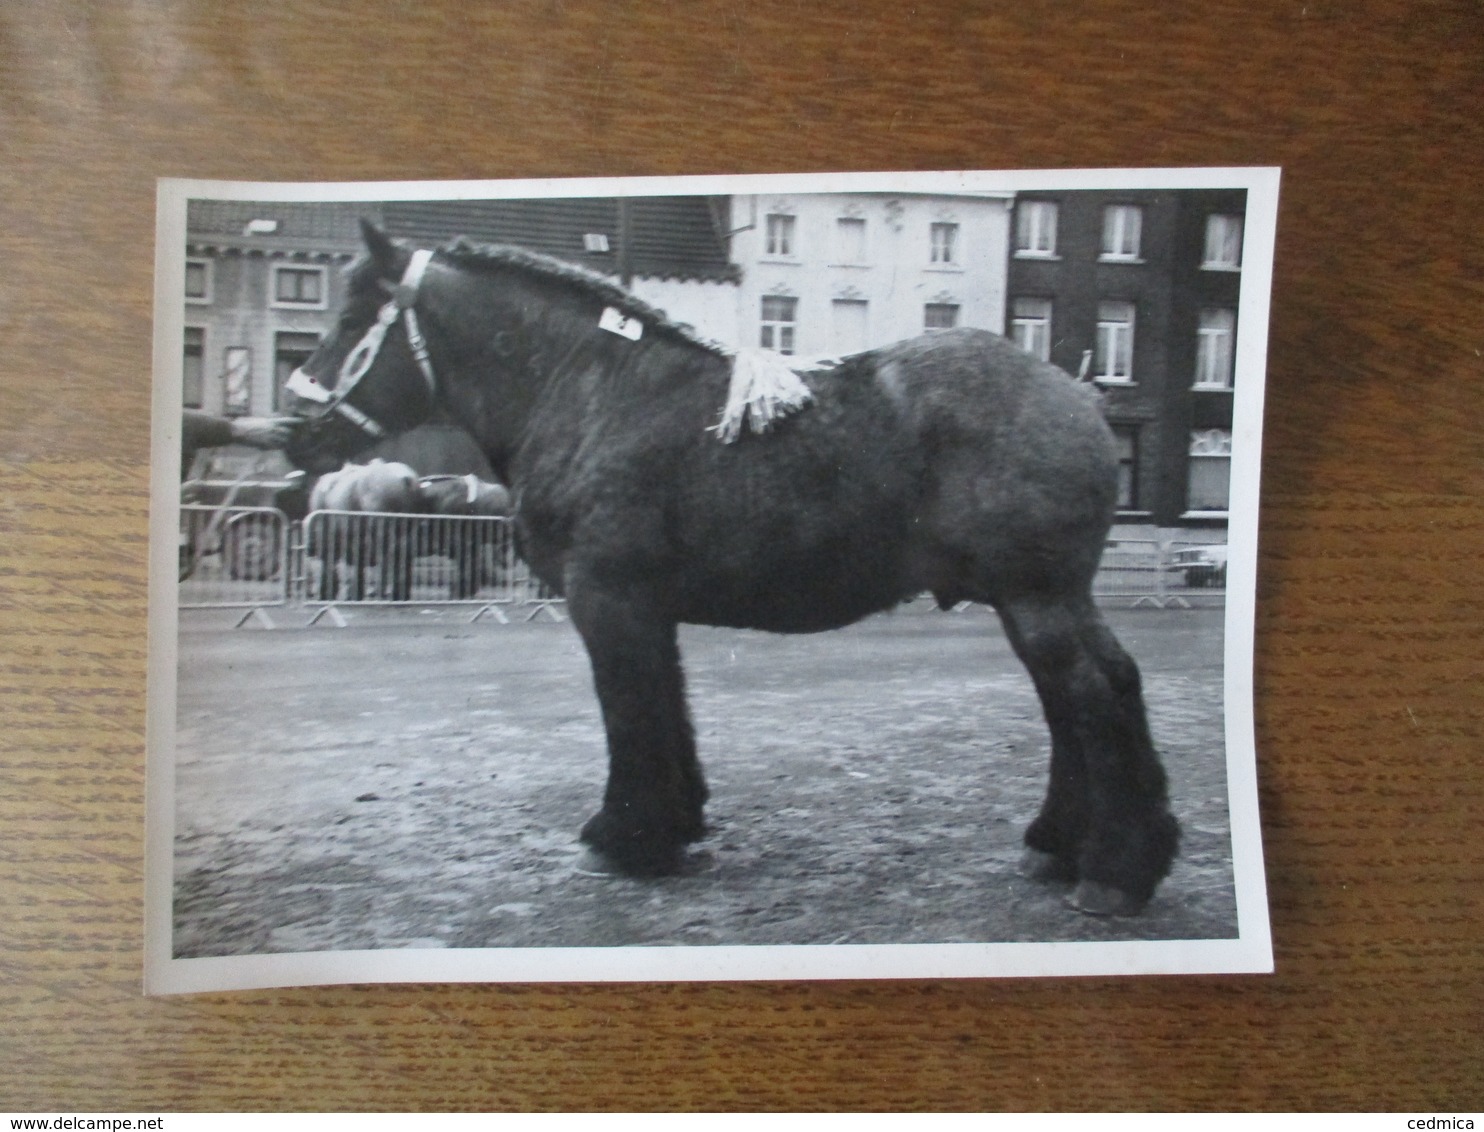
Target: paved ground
<point>418,781</point>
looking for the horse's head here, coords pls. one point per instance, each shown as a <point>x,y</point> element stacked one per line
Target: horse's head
<point>372,377</point>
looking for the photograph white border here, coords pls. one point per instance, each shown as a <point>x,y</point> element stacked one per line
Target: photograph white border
<point>1250,952</point>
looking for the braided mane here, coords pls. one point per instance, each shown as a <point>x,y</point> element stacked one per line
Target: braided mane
<point>466,253</point>
<point>763,388</point>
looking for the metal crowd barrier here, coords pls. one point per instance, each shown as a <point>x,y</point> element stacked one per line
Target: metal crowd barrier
<point>351,558</point>
<point>254,558</point>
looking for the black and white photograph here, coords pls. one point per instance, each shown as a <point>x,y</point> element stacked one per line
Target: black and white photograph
<point>736,577</point>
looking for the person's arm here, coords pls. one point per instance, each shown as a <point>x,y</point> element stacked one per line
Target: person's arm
<point>203,430</point>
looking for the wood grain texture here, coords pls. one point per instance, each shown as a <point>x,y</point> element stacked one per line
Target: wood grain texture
<point>1369,628</point>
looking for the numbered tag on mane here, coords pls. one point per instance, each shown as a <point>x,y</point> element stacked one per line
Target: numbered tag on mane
<point>615,322</point>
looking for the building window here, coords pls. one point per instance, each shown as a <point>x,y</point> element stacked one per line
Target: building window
<point>1114,360</point>
<point>1122,226</point>
<point>198,281</point>
<point>595,241</point>
<point>940,316</point>
<point>1210,469</point>
<point>944,239</point>
<point>299,287</point>
<point>237,379</point>
<point>1035,228</point>
<point>193,366</point>
<point>290,351</point>
<point>1223,243</point>
<point>1126,437</point>
<point>1213,359</point>
<point>1030,326</point>
<point>850,326</point>
<point>780,235</point>
<point>850,240</point>
<point>779,321</point>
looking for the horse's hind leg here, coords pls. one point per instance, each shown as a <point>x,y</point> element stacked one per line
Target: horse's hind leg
<point>1105,819</point>
<point>653,802</point>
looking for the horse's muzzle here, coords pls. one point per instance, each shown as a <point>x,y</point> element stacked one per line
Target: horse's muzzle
<point>307,387</point>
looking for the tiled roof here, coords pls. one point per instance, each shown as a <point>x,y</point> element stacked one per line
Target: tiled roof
<point>671,237</point>
<point>316,222</point>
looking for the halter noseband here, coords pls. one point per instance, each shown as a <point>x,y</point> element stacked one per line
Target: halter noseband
<point>360,360</point>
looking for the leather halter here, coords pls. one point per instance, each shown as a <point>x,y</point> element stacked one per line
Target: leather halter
<point>360,360</point>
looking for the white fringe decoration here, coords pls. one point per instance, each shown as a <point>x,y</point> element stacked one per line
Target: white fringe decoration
<point>763,390</point>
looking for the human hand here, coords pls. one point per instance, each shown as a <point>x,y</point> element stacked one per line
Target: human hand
<point>263,432</point>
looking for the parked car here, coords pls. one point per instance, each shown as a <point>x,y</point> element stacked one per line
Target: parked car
<point>248,544</point>
<point>1202,565</point>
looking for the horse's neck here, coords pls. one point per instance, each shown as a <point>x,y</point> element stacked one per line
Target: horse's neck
<point>560,356</point>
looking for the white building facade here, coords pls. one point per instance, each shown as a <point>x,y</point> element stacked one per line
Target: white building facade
<point>829,274</point>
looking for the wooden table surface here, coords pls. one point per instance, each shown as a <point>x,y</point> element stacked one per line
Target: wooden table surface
<point>1369,634</point>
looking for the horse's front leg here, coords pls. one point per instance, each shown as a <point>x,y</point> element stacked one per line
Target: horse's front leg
<point>653,802</point>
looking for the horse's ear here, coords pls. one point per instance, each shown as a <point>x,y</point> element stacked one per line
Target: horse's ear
<point>390,260</point>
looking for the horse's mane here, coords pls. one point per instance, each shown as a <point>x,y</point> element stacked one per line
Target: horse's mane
<point>466,253</point>
<point>763,387</point>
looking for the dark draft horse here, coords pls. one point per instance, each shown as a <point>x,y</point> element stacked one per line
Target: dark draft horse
<point>952,463</point>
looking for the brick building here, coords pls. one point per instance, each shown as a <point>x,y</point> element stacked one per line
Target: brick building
<point>1137,292</point>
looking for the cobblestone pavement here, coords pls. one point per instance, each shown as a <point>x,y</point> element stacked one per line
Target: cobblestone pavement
<point>417,781</point>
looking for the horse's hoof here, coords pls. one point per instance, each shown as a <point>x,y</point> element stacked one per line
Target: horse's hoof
<point>1047,868</point>
<point>1097,899</point>
<point>593,862</point>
